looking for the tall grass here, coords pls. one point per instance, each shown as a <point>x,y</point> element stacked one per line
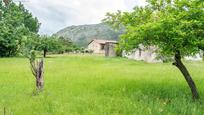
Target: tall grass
<point>94,85</point>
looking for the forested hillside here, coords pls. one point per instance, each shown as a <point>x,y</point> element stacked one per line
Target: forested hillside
<point>83,34</point>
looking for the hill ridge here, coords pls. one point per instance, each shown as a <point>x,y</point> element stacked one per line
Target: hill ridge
<point>81,35</point>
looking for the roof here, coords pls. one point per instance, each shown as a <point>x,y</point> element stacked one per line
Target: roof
<point>103,41</point>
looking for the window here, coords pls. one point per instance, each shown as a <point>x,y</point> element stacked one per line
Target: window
<point>102,46</point>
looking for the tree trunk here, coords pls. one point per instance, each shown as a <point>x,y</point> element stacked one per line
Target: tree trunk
<point>178,63</point>
<point>37,68</point>
<point>39,84</point>
<point>44,53</point>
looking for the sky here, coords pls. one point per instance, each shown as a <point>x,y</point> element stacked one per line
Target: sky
<point>55,15</point>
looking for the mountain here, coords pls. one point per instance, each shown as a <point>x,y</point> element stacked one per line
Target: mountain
<point>83,34</point>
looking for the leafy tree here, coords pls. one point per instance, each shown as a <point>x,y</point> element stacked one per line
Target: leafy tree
<point>176,27</point>
<point>54,44</point>
<point>66,44</point>
<point>48,44</point>
<point>16,23</point>
<point>29,43</point>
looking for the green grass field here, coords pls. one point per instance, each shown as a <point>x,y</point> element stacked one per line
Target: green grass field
<point>94,85</point>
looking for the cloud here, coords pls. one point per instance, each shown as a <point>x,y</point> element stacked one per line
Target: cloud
<point>57,14</point>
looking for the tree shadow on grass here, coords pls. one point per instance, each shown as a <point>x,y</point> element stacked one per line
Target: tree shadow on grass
<point>148,89</point>
<point>50,57</point>
<point>53,56</point>
<point>166,96</point>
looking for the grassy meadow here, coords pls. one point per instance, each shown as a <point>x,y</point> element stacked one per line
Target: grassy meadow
<point>95,85</point>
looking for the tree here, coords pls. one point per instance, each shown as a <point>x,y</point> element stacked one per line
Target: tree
<point>66,44</point>
<point>16,23</point>
<point>48,44</point>
<point>176,27</point>
<point>29,43</point>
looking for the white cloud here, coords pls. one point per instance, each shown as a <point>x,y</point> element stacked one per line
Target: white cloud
<point>57,14</point>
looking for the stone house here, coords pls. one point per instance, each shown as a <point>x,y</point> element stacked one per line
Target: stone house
<point>145,54</point>
<point>148,54</point>
<point>105,47</point>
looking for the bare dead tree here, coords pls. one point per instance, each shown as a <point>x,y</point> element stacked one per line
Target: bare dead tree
<point>37,68</point>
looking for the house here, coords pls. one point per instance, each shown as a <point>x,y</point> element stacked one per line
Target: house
<point>197,57</point>
<point>105,47</point>
<point>150,55</point>
<point>145,54</point>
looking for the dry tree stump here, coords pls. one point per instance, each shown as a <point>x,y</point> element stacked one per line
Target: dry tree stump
<point>37,68</point>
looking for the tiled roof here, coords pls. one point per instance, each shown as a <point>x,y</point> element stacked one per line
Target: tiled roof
<point>104,41</point>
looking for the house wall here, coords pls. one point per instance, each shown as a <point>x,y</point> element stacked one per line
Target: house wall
<point>96,47</point>
<point>197,57</point>
<point>147,55</point>
<point>110,49</point>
